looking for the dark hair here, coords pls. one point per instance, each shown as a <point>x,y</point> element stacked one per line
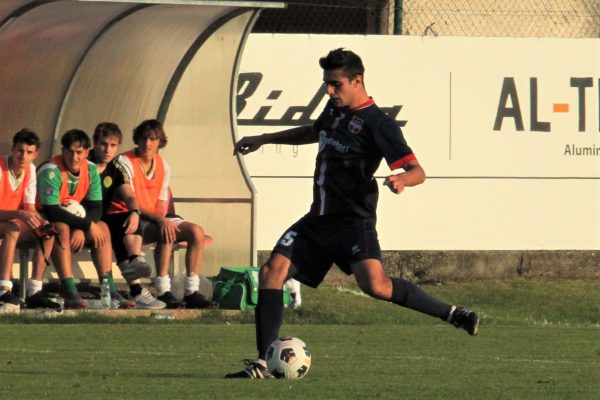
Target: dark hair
<point>150,128</point>
<point>106,129</point>
<point>28,137</point>
<point>75,135</point>
<point>349,62</point>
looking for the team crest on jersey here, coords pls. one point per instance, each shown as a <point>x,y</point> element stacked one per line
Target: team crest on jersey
<point>107,181</point>
<point>355,125</point>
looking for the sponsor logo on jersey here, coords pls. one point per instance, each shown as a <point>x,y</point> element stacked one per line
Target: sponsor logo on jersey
<point>327,141</point>
<point>48,191</point>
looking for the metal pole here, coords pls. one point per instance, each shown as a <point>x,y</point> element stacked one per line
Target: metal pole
<point>398,14</point>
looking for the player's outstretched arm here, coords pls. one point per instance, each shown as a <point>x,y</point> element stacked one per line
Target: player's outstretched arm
<point>299,135</point>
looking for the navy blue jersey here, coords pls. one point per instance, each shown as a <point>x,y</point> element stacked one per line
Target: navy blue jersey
<point>352,144</point>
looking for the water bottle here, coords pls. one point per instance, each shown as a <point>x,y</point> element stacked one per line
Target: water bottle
<point>105,300</point>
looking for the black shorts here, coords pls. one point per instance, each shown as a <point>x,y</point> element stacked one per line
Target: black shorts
<point>314,244</point>
<point>115,224</point>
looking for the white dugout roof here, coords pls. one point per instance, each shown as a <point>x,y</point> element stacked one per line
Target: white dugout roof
<point>73,64</point>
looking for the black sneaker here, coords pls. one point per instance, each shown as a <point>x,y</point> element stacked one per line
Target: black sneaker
<point>73,301</point>
<point>462,318</point>
<point>253,370</point>
<point>171,301</point>
<point>38,300</point>
<point>196,300</point>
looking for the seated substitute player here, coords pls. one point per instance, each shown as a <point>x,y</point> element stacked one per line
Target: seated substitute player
<point>126,233</point>
<point>149,175</point>
<point>69,176</point>
<point>19,220</point>
<point>354,135</point>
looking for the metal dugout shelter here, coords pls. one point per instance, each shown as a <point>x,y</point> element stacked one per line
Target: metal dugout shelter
<point>75,63</point>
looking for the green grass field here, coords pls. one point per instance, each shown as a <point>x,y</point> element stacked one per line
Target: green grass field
<point>538,340</point>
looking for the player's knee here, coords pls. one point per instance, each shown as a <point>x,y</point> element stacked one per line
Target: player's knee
<point>193,233</point>
<point>375,288</point>
<point>102,225</point>
<point>196,232</point>
<point>64,231</point>
<point>272,275</point>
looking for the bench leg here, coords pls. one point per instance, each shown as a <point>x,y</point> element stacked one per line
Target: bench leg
<point>177,271</point>
<point>23,272</point>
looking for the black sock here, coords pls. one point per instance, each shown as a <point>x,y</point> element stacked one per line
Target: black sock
<point>409,295</point>
<point>135,289</point>
<point>268,317</point>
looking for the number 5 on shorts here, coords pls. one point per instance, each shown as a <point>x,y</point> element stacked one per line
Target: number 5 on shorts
<point>288,238</point>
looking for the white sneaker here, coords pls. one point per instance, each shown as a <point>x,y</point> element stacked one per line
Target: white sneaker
<point>138,268</point>
<point>145,301</point>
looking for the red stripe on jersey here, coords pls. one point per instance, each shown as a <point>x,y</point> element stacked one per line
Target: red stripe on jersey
<point>366,104</point>
<point>402,162</point>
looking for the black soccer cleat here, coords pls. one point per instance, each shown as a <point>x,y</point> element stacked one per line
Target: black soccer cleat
<point>253,370</point>
<point>460,317</point>
<point>196,300</point>
<point>38,300</point>
<point>171,301</point>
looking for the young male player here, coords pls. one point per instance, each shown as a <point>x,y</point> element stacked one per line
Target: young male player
<point>149,175</point>
<point>126,232</point>
<point>19,220</point>
<point>354,135</point>
<point>69,176</point>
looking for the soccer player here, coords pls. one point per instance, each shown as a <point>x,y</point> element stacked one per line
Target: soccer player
<point>149,174</point>
<point>19,220</point>
<point>70,176</point>
<point>126,233</point>
<point>354,135</point>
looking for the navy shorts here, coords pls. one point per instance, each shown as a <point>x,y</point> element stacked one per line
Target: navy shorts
<point>315,243</point>
<point>115,224</point>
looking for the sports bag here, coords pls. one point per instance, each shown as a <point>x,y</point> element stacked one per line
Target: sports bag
<point>236,288</point>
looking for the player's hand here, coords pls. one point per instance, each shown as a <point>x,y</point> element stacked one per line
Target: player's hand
<point>31,218</point>
<point>168,230</point>
<point>131,223</point>
<point>248,144</point>
<point>395,183</point>
<point>96,235</point>
<point>77,240</point>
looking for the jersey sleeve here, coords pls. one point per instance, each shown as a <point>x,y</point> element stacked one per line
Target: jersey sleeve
<point>393,146</point>
<point>95,190</point>
<point>121,176</point>
<point>30,190</point>
<point>126,168</point>
<point>49,180</point>
<point>164,191</point>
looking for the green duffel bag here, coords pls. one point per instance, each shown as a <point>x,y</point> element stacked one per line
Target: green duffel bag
<point>236,288</point>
